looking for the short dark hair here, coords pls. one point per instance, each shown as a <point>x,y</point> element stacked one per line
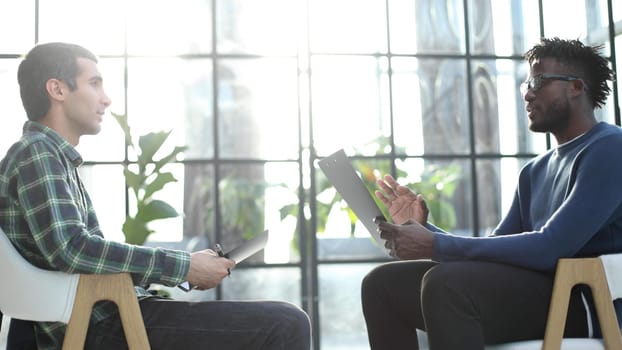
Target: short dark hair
<point>44,62</point>
<point>586,62</point>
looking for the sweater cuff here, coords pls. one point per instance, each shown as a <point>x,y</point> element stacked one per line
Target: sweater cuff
<point>440,244</point>
<point>433,228</point>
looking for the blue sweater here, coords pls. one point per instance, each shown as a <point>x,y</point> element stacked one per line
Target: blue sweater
<point>568,204</point>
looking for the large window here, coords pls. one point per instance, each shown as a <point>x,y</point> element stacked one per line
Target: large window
<point>259,91</point>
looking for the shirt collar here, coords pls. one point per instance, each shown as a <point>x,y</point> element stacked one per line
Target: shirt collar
<point>68,150</point>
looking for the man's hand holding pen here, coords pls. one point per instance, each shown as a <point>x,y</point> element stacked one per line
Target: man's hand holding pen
<point>222,254</point>
<point>208,269</point>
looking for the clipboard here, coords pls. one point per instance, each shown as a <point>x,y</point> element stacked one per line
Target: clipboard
<point>340,172</point>
<point>248,248</point>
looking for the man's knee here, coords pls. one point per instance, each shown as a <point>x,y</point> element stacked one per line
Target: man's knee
<point>372,279</point>
<point>441,284</point>
<point>375,282</point>
<point>294,321</point>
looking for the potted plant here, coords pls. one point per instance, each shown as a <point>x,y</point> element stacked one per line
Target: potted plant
<point>145,178</point>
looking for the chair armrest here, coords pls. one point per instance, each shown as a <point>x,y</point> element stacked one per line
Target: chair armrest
<point>588,271</point>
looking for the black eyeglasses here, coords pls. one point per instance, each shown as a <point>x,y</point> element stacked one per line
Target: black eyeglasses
<point>535,83</point>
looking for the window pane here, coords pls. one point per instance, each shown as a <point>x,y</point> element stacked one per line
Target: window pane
<point>486,106</point>
<point>407,105</point>
<point>349,102</point>
<point>446,187</point>
<point>427,26</point>
<point>11,107</point>
<point>251,198</point>
<point>180,101</point>
<point>96,25</point>
<point>169,28</point>
<point>586,20</point>
<point>597,21</point>
<point>490,185</point>
<point>199,223</point>
<point>497,181</point>
<point>257,104</point>
<point>431,109</point>
<point>501,123</point>
<point>251,26</point>
<point>607,112</point>
<point>503,27</point>
<point>274,283</point>
<point>197,89</point>
<point>347,26</point>
<point>109,144</point>
<point>282,203</point>
<point>106,187</point>
<point>170,230</point>
<point>342,325</point>
<point>17,22</point>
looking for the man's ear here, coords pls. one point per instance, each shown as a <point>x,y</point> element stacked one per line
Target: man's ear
<point>578,87</point>
<point>55,89</point>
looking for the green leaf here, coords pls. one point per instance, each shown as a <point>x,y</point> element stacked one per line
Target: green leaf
<point>134,181</point>
<point>290,209</point>
<point>135,231</point>
<point>156,210</point>
<point>150,144</point>
<point>158,183</point>
<point>170,157</point>
<point>122,121</point>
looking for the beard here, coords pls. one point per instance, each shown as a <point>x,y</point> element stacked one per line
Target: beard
<point>555,117</point>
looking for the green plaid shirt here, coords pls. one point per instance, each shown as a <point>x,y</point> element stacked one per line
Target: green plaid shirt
<point>48,215</point>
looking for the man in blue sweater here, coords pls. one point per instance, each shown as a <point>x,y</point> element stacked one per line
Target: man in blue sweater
<point>466,292</point>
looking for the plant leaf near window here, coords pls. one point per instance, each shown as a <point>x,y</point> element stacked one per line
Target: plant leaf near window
<point>146,181</point>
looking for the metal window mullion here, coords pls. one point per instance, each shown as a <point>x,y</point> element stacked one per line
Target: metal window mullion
<point>216,134</point>
<point>612,43</point>
<point>472,155</point>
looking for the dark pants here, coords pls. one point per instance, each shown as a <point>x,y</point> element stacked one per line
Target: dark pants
<point>21,335</point>
<point>461,305</point>
<point>219,325</point>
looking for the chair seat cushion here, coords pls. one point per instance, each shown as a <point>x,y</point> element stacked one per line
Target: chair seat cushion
<point>567,344</point>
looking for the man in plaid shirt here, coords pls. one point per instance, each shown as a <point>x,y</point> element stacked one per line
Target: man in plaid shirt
<point>48,215</point>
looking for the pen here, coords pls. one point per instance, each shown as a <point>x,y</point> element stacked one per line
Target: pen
<point>221,253</point>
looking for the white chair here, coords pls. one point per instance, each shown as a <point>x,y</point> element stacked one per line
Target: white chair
<point>603,276</point>
<point>30,293</point>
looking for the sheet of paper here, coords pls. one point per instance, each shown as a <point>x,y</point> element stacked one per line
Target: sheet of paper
<point>248,248</point>
<point>340,172</point>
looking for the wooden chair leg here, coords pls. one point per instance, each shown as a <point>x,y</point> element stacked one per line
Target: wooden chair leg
<point>114,287</point>
<point>571,272</point>
<point>558,309</point>
<point>604,308</point>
